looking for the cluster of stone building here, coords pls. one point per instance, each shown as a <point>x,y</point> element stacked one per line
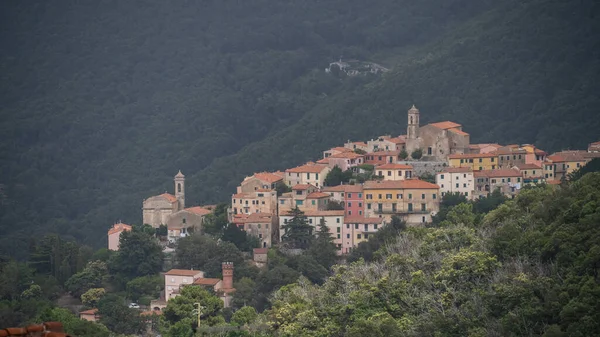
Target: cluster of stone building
<point>474,170</point>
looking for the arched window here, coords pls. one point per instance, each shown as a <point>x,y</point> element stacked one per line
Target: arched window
<point>178,188</point>
<point>411,119</point>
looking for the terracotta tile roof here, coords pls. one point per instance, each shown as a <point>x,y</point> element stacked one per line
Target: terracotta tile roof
<point>567,156</point>
<point>89,312</point>
<point>458,132</point>
<point>207,281</point>
<point>398,140</point>
<point>310,213</point>
<point>242,196</point>
<point>317,195</point>
<point>400,184</point>
<point>260,250</point>
<point>359,143</point>
<point>198,210</point>
<point>472,155</point>
<point>307,168</point>
<point>553,182</point>
<point>528,167</point>
<point>347,155</point>
<point>362,220</point>
<point>268,177</point>
<point>253,218</point>
<point>385,153</point>
<point>500,173</point>
<point>482,145</point>
<point>119,227</point>
<point>540,152</point>
<point>343,188</point>
<point>457,170</point>
<point>595,144</point>
<point>390,166</point>
<point>323,161</point>
<point>510,150</point>
<point>183,272</point>
<point>170,197</point>
<point>339,149</point>
<point>302,187</point>
<point>445,125</point>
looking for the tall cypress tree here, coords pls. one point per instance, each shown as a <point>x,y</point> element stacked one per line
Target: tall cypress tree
<point>323,249</point>
<point>298,233</point>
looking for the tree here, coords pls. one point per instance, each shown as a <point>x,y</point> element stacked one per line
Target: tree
<point>162,231</point>
<point>72,324</point>
<point>182,307</point>
<point>91,297</point>
<point>333,205</point>
<point>297,231</point>
<point>240,238</point>
<point>428,177</point>
<point>118,317</point>
<point>281,188</point>
<point>92,276</point>
<point>245,292</point>
<point>244,315</point>
<point>417,154</point>
<point>592,166</point>
<point>368,250</point>
<point>150,285</point>
<point>139,255</point>
<point>403,154</point>
<point>323,248</point>
<point>216,222</point>
<point>334,177</point>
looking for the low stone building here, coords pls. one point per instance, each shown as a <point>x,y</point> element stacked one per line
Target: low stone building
<point>114,235</point>
<point>157,209</point>
<point>508,181</point>
<point>182,223</point>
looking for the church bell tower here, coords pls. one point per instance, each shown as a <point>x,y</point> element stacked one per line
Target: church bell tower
<point>180,189</point>
<point>412,131</point>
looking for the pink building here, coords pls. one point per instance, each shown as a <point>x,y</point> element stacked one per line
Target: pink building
<point>345,161</point>
<point>114,235</point>
<point>350,195</point>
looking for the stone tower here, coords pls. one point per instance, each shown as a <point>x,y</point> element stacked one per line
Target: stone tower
<point>180,189</point>
<point>412,131</point>
<point>227,268</point>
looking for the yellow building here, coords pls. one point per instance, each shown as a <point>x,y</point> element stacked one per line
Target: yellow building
<point>414,200</point>
<point>532,173</point>
<point>475,161</point>
<point>394,171</point>
<point>561,164</point>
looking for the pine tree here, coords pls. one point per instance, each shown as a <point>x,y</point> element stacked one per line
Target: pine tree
<point>297,231</point>
<point>323,248</point>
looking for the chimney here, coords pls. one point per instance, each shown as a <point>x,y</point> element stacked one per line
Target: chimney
<point>227,275</point>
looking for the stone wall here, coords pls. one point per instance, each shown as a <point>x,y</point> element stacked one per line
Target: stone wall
<point>420,167</point>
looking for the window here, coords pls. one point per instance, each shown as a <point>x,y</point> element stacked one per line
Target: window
<point>375,226</point>
<point>260,195</point>
<point>316,176</point>
<point>493,167</point>
<point>423,207</point>
<point>423,196</point>
<point>502,179</point>
<point>379,196</point>
<point>398,196</point>
<point>299,202</point>
<point>358,236</point>
<point>462,161</point>
<point>442,176</point>
<point>532,173</point>
<point>456,185</point>
<point>339,236</point>
<point>410,207</point>
<point>492,159</point>
<point>466,194</point>
<point>298,192</point>
<point>339,229</point>
<point>471,161</point>
<point>359,212</point>
<point>355,226</point>
<point>258,226</point>
<point>423,219</point>
<point>309,220</point>
<point>464,175</point>
<point>480,160</point>
<point>388,196</point>
<point>389,173</point>
<point>509,180</point>
<point>368,206</point>
<point>360,204</point>
<point>349,195</point>
<point>442,185</point>
<point>480,168</point>
<point>369,196</point>
<point>260,236</point>
<point>308,176</point>
<point>337,220</point>
<point>313,202</point>
<point>281,201</point>
<point>366,235</point>
<point>434,196</point>
<point>366,227</point>
<point>349,204</point>
<point>347,226</point>
<point>349,212</point>
<point>360,195</point>
<point>518,180</point>
<point>347,236</point>
<point>410,196</point>
<point>183,220</point>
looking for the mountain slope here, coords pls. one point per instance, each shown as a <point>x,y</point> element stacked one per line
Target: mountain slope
<point>526,72</point>
<point>103,102</point>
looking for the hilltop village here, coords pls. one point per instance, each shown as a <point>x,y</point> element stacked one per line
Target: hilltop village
<point>355,189</point>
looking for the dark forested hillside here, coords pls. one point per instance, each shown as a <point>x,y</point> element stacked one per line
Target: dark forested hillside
<point>103,101</point>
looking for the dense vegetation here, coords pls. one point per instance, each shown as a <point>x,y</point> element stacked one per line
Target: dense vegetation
<point>527,268</point>
<point>102,102</point>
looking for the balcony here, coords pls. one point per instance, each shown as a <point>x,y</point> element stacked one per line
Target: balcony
<point>397,211</point>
